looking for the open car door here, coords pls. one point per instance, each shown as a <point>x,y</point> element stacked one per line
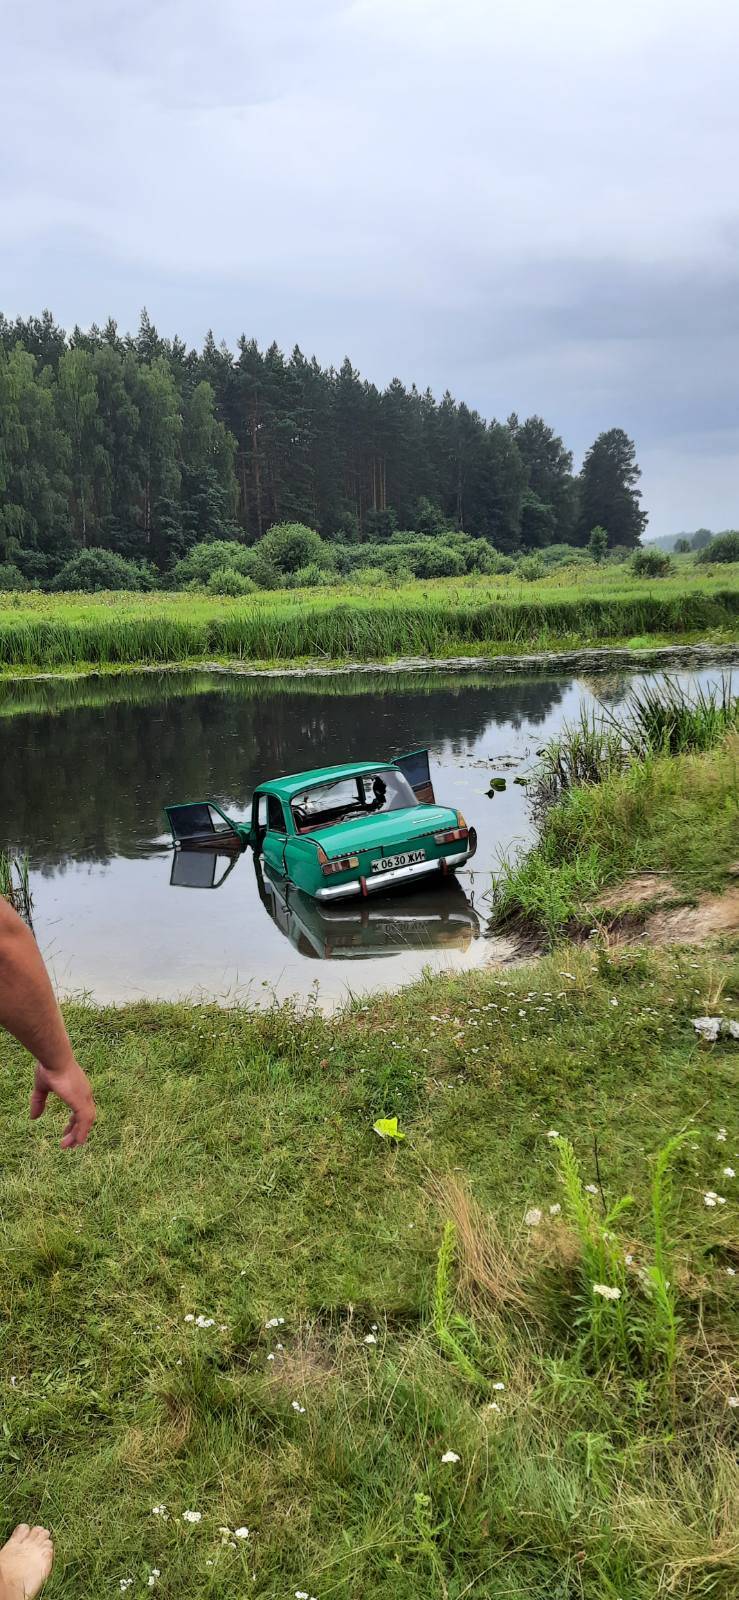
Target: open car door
<point>415,767</point>
<point>202,825</point>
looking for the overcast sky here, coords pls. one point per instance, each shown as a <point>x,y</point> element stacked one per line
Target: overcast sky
<point>535,205</point>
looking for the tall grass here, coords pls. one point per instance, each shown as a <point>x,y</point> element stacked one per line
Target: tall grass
<point>661,718</point>
<point>665,719</point>
<point>15,884</point>
<point>434,620</point>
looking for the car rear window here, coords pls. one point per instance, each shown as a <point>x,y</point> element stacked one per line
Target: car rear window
<point>362,794</point>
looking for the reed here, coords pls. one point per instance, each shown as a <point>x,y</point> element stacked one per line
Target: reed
<point>437,620</point>
<point>15,884</point>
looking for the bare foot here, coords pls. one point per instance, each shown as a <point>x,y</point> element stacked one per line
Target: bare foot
<point>25,1563</point>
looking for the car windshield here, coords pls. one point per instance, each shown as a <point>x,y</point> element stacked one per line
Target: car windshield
<point>360,794</point>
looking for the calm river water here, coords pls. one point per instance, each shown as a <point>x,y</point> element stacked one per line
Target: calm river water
<point>86,767</point>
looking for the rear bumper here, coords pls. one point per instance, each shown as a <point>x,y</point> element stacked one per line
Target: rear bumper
<point>420,869</point>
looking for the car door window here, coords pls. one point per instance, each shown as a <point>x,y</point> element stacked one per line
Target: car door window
<point>275,815</point>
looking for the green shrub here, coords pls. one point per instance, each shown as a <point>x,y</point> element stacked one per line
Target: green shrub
<point>312,576</point>
<point>226,580</point>
<point>530,568</point>
<point>650,562</point>
<point>725,547</point>
<point>370,577</point>
<point>11,577</point>
<point>203,560</point>
<point>439,561</point>
<point>562,555</point>
<point>619,553</point>
<point>598,543</point>
<point>96,569</point>
<point>291,545</point>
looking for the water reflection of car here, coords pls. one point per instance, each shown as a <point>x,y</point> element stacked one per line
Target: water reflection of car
<point>438,918</point>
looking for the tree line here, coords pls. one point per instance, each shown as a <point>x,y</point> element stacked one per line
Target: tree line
<point>137,445</point>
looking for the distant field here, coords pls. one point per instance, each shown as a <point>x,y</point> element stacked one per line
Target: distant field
<point>480,616</point>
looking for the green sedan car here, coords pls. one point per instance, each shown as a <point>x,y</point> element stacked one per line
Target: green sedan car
<point>339,831</point>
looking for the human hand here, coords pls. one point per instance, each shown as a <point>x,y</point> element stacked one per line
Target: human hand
<point>70,1085</point>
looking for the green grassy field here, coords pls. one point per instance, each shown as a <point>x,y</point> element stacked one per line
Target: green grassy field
<point>463,617</point>
<point>234,1175</point>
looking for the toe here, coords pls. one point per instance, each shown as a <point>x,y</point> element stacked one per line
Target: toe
<point>21,1532</point>
<point>40,1533</point>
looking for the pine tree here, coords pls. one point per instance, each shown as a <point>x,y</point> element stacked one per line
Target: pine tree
<point>609,497</point>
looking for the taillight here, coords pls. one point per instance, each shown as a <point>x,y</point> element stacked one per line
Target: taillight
<point>453,835</point>
<point>344,863</point>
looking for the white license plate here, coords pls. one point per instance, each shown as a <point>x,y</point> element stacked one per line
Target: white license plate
<point>407,859</point>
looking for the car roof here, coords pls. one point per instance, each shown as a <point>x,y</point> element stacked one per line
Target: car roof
<point>288,786</point>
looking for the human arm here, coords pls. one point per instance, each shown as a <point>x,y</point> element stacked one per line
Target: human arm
<point>28,1009</point>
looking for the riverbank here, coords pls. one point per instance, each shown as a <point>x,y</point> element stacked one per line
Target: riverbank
<point>449,1404</point>
<point>660,831</point>
<point>660,655</point>
<point>482,619</point>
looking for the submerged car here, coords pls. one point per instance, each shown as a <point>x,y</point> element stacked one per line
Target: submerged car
<point>340,831</point>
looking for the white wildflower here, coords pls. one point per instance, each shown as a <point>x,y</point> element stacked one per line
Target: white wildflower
<point>493,1406</point>
<point>152,1578</point>
<point>275,1322</point>
<point>192,1516</point>
<point>591,1188</point>
<point>554,1210</point>
<point>532,1217</point>
<point>241,1533</point>
<point>733,1401</point>
<point>125,1583</point>
<point>190,1316</point>
<point>552,1134</point>
<point>499,1386</point>
<point>159,1511</point>
<point>720,1199</point>
<point>270,1357</point>
<point>731,1272</point>
<point>205,1322</point>
<point>297,1407</point>
<point>629,1259</point>
<point>607,1290</point>
<point>729,1172</point>
<point>370,1338</point>
<point>449,1458</point>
